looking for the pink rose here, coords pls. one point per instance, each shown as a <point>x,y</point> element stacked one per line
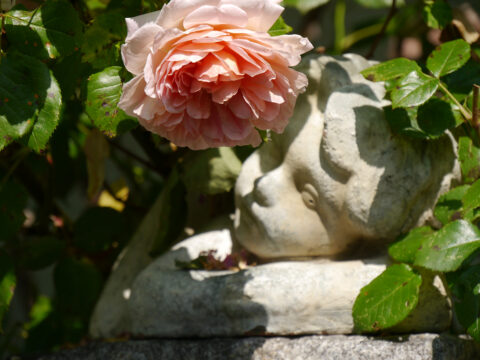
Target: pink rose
<point>208,74</point>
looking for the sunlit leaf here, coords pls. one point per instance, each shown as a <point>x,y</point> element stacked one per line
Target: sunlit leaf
<point>7,284</point>
<point>103,93</point>
<point>449,247</point>
<point>448,57</point>
<point>387,300</point>
<point>413,90</point>
<point>279,28</point>
<point>391,69</point>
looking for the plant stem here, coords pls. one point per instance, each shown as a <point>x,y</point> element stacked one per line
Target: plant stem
<point>466,114</point>
<point>361,34</point>
<point>339,21</point>
<point>391,13</point>
<point>475,123</point>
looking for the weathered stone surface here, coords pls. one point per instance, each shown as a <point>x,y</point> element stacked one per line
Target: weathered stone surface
<point>281,298</point>
<point>334,347</point>
<point>337,175</point>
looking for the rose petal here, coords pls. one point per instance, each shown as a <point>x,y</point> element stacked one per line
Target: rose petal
<point>216,15</point>
<point>262,14</point>
<point>133,24</point>
<point>137,47</point>
<point>173,13</point>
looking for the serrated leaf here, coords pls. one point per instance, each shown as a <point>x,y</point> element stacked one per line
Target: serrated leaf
<point>436,116</point>
<point>448,248</point>
<point>448,57</point>
<point>97,151</point>
<point>305,6</point>
<point>51,31</point>
<point>449,205</point>
<point>279,28</point>
<point>48,116</point>
<point>390,70</point>
<point>387,300</point>
<point>7,284</point>
<point>405,248</point>
<point>437,14</point>
<point>103,93</point>
<point>13,199</point>
<point>413,90</point>
<point>469,156</point>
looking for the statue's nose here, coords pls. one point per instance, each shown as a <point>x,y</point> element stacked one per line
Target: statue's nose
<point>268,188</point>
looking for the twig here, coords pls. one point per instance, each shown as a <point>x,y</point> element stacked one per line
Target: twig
<point>391,13</point>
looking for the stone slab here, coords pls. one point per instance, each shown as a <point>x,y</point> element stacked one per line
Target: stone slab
<point>333,347</point>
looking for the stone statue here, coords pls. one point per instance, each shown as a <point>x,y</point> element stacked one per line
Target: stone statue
<point>328,194</point>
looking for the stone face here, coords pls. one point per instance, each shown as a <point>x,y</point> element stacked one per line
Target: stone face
<point>337,175</point>
<point>334,347</point>
<point>281,298</point>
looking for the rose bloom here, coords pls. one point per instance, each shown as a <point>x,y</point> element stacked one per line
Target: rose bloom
<point>208,74</point>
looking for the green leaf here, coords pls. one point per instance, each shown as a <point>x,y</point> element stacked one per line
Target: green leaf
<point>98,228</point>
<point>387,300</point>
<point>435,116</point>
<point>279,28</point>
<point>103,93</point>
<point>305,6</point>
<point>38,253</point>
<point>460,82</point>
<point>378,4</point>
<point>414,89</point>
<point>448,248</point>
<point>437,14</point>
<point>13,200</point>
<point>448,57</point>
<point>77,284</point>
<point>51,31</point>
<point>404,121</point>
<point>390,70</point>
<point>30,101</point>
<point>212,171</point>
<point>471,201</point>
<point>406,247</point>
<point>48,118</point>
<point>469,156</point>
<point>7,284</point>
<point>449,205</point>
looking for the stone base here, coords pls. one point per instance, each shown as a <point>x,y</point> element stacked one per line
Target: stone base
<point>333,347</point>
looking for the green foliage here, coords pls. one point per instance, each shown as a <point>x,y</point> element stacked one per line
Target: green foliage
<point>406,247</point>
<point>469,155</point>
<point>393,295</point>
<point>13,198</point>
<point>413,90</point>
<point>279,28</point>
<point>7,284</point>
<point>449,206</point>
<point>448,57</point>
<point>437,13</point>
<point>103,93</point>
